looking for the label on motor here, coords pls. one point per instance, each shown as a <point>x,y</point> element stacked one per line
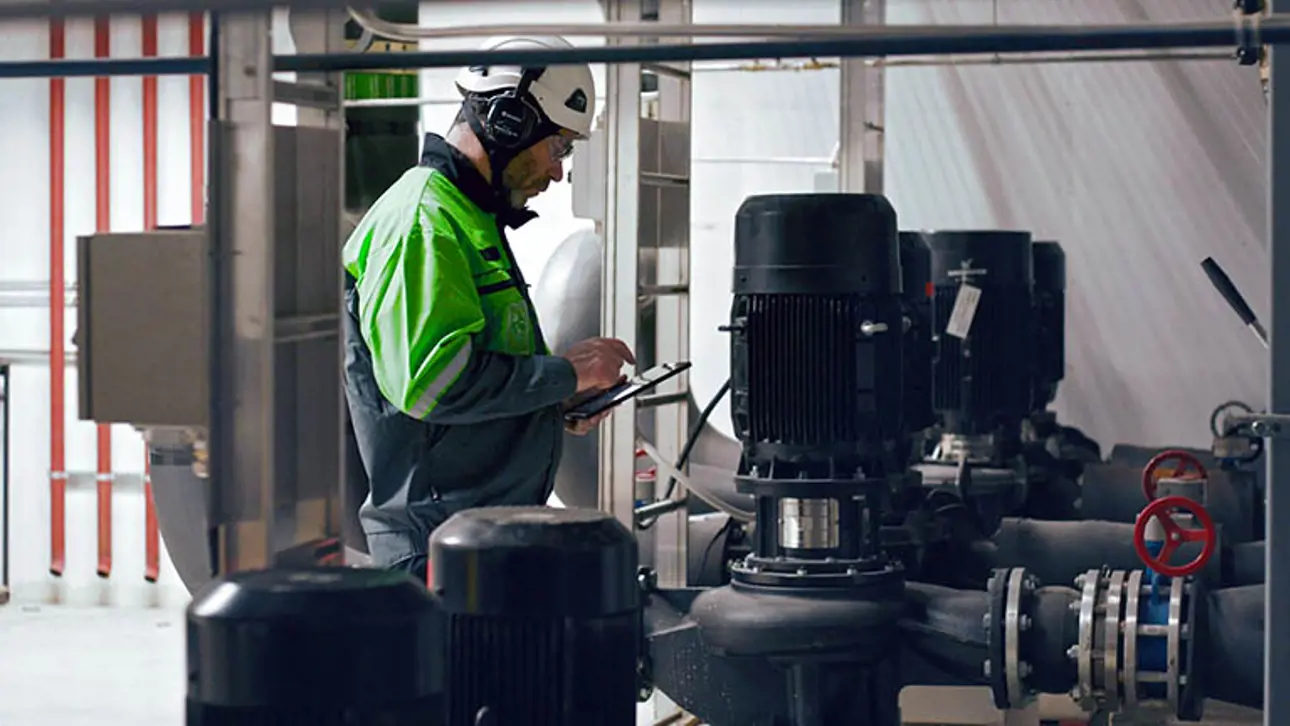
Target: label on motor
<point>964,312</point>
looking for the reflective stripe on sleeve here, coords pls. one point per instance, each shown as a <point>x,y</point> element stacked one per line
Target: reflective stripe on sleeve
<point>430,396</point>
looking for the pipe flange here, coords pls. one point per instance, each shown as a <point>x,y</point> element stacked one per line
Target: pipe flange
<point>1084,691</point>
<point>1191,699</point>
<point>1008,665</point>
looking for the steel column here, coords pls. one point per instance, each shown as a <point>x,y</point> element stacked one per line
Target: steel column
<point>618,304</point>
<point>862,108</point>
<point>665,281</point>
<point>242,230</point>
<point>1276,687</point>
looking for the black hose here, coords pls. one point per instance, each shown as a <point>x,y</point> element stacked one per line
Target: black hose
<point>690,443</point>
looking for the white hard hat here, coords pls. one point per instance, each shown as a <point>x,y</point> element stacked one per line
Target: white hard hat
<point>565,94</point>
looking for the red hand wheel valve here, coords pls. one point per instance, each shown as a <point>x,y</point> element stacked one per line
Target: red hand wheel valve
<point>1186,462</point>
<point>1175,535</point>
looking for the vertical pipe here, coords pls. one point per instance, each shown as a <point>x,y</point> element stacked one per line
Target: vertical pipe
<point>151,536</point>
<point>1276,632</point>
<point>57,283</point>
<point>103,223</point>
<point>197,118</point>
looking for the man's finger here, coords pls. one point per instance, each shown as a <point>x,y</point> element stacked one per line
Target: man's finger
<point>621,349</point>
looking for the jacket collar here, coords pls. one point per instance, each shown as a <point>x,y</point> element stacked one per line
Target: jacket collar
<point>448,160</point>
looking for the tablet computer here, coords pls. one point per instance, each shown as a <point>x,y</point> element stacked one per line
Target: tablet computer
<point>630,388</point>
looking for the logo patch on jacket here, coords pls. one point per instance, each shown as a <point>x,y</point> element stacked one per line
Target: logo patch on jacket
<point>516,329</point>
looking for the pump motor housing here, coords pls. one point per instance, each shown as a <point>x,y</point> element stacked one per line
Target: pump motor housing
<point>985,363</point>
<point>817,327</point>
<point>1050,320</point>
<point>916,277</point>
<point>328,646</point>
<point>543,612</point>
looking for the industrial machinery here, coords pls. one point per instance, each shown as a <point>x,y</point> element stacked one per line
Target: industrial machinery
<point>839,605</point>
<point>320,646</point>
<point>984,367</point>
<point>816,355</point>
<point>916,275</point>
<point>851,577</point>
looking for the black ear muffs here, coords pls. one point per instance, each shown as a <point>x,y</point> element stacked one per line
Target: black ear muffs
<point>511,118</point>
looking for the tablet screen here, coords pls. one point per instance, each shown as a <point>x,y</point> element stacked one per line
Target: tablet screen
<point>630,388</point>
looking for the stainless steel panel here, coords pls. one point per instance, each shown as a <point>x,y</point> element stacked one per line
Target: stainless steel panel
<point>307,356</point>
<point>141,328</point>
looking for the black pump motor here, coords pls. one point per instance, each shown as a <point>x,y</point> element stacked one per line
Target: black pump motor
<point>985,343</point>
<point>816,388</point>
<point>544,618</point>
<point>816,352</point>
<point>315,647</point>
<point>1050,320</point>
<point>916,278</point>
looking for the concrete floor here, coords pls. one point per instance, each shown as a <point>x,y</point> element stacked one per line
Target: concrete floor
<point>62,666</point>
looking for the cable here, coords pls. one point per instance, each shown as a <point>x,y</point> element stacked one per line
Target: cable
<point>690,443</point>
<point>725,528</point>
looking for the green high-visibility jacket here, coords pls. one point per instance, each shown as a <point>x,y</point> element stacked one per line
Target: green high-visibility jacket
<point>454,396</point>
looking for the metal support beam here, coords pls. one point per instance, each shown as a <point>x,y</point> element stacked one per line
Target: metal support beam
<point>242,350</point>
<point>647,276</point>
<point>276,291</point>
<point>862,108</point>
<point>618,304</point>
<point>1276,687</point>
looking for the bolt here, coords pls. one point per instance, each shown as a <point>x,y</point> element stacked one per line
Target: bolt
<point>647,579</point>
<point>1080,580</point>
<point>1029,584</point>
<point>1023,669</point>
<point>1073,652</point>
<point>1075,606</point>
<point>1024,622</point>
<point>1075,693</point>
<point>985,668</point>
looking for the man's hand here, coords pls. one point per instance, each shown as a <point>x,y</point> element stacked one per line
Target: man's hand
<point>599,362</point>
<point>586,425</point>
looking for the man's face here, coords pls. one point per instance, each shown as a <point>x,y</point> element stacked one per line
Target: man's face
<point>533,170</point>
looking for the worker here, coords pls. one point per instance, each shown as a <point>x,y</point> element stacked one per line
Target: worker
<point>455,398</point>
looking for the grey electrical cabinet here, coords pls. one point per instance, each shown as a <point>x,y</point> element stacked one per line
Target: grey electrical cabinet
<point>141,328</point>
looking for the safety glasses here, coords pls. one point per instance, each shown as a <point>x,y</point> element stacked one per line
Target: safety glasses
<point>561,147</point>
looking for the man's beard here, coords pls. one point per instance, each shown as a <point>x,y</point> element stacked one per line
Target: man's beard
<point>516,199</point>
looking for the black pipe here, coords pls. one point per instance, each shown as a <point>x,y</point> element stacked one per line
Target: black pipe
<point>897,41</point>
<point>943,634</point>
<point>1057,552</point>
<point>1244,564</point>
<point>1232,649</point>
<point>944,643</point>
<point>945,637</point>
<point>1112,492</point>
